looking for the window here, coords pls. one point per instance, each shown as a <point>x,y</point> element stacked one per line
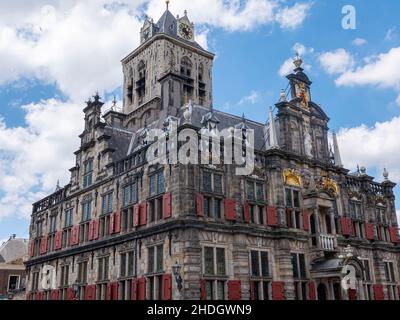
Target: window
<point>107,203</point>
<point>53,223</point>
<point>130,194</point>
<point>82,278</point>
<point>69,217</point>
<point>390,280</point>
<point>103,268</point>
<point>127,220</point>
<point>300,276</point>
<point>250,190</point>
<point>355,210</point>
<point>127,264</point>
<point>214,266</point>
<point>13,283</point>
<point>155,259</point>
<point>293,210</point>
<point>35,281</point>
<point>155,269</point>
<point>260,276</point>
<point>380,214</point>
<point>157,183</point>
<point>212,182</point>
<point>367,280</point>
<point>156,203</point>
<point>214,261</point>
<point>64,276</point>
<point>86,211</point>
<point>88,174</point>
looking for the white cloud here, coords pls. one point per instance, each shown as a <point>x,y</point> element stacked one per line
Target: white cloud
<point>293,17</point>
<point>377,147</point>
<point>359,42</point>
<point>252,98</point>
<point>34,157</point>
<point>337,61</point>
<point>398,215</point>
<point>381,70</point>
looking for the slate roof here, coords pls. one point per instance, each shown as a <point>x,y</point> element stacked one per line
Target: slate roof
<point>13,249</point>
<point>168,24</point>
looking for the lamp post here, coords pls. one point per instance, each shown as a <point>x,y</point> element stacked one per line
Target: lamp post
<point>176,269</point>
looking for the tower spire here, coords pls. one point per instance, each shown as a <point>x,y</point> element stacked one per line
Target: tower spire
<point>338,159</point>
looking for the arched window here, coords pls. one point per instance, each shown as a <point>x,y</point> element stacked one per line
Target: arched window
<point>188,82</point>
<point>141,82</point>
<point>201,72</point>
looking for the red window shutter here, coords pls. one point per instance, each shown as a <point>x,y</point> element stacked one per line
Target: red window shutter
<point>114,291</point>
<point>142,289</point>
<point>167,287</point>
<point>200,204</point>
<point>112,221</point>
<point>43,245</point>
<point>117,222</point>
<point>246,212</point>
<point>278,290</point>
<point>74,236</point>
<point>272,216</point>
<point>70,294</point>
<point>346,228</point>
<point>312,292</point>
<point>369,231</point>
<point>234,290</point>
<point>134,289</point>
<point>203,294</point>
<point>136,214</point>
<point>91,229</point>
<point>96,229</point>
<point>58,240</point>
<point>252,290</point>
<point>394,235</point>
<point>352,294</point>
<point>54,295</point>
<point>167,205</point>
<point>108,291</point>
<point>306,220</point>
<point>378,292</point>
<point>32,249</point>
<point>230,209</point>
<point>143,214</point>
<point>90,293</point>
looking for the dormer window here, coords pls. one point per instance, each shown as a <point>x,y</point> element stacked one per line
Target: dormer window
<point>88,174</point>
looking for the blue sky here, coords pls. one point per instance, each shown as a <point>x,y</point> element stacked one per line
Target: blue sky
<point>50,64</point>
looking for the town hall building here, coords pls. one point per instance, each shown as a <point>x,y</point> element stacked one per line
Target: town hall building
<point>299,227</point>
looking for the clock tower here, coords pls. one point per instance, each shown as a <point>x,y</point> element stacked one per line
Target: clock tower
<point>168,69</point>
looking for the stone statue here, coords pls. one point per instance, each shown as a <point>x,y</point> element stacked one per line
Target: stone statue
<point>308,144</point>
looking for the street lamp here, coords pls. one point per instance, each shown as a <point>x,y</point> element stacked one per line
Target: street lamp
<point>176,269</point>
<point>75,289</point>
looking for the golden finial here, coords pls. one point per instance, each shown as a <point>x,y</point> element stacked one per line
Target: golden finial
<point>297,60</point>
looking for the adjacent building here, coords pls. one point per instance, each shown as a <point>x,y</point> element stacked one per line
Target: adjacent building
<point>13,252</point>
<point>129,229</point>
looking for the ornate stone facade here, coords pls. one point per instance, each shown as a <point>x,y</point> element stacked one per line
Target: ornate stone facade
<point>121,226</point>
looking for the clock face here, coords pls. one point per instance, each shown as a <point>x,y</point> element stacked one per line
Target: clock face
<point>185,31</point>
